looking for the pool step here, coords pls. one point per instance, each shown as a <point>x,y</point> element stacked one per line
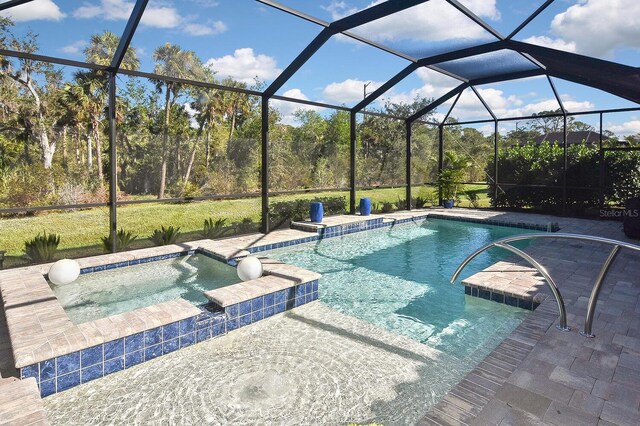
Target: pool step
<point>510,283</point>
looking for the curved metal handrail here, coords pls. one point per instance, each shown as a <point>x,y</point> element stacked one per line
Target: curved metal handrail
<point>595,291</point>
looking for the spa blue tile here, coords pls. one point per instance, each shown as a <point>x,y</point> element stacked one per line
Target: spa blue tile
<point>153,336</point>
<point>269,299</point>
<point>244,308</point>
<point>300,291</point>
<point>110,266</point>
<point>134,262</point>
<point>67,381</point>
<point>308,297</point>
<point>133,358</point>
<point>86,271</point>
<point>205,323</point>
<point>68,363</point>
<point>467,290</point>
<point>290,304</point>
<point>47,370</point>
<point>256,316</point>
<point>114,365</point>
<point>113,349</point>
<point>170,345</point>
<point>299,301</point>
<point>232,311</point>
<point>257,304</point>
<point>187,326</point>
<point>92,373</point>
<point>134,343</point>
<point>203,334</point>
<point>47,388</point>
<point>99,268</point>
<point>187,340</point>
<point>232,324</point>
<point>308,288</point>
<point>91,356</point>
<point>146,260</point>
<point>290,293</point>
<point>218,329</point>
<point>497,297</point>
<point>170,331</point>
<point>244,320</point>
<point>32,370</point>
<point>280,297</point>
<point>269,311</point>
<point>151,352</point>
<point>314,295</point>
<point>122,264</point>
<point>314,286</point>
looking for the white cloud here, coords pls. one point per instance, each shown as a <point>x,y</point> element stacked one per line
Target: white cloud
<point>36,10</point>
<point>287,109</point>
<point>348,91</point>
<point>431,21</point>
<point>435,85</point>
<point>553,43</point>
<point>625,129</point>
<point>244,65</point>
<point>74,48</point>
<point>596,27</point>
<point>159,16</point>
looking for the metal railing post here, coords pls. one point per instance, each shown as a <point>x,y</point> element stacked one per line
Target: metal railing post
<point>595,292</point>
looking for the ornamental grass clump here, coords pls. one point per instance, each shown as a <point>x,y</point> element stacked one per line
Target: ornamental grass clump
<point>42,248</point>
<point>165,236</point>
<point>124,239</point>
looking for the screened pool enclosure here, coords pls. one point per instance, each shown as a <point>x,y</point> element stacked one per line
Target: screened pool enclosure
<point>114,131</point>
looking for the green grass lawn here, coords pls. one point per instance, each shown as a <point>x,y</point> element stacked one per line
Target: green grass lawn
<point>81,230</point>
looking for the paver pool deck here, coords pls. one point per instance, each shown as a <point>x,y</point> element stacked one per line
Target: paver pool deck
<point>538,374</point>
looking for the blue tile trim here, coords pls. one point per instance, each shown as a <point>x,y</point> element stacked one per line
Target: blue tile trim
<point>66,371</point>
<point>501,298</point>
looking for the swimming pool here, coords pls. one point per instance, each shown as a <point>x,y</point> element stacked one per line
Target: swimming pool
<point>398,278</point>
<point>105,293</point>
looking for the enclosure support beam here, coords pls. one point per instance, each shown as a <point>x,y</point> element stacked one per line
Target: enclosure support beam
<point>565,165</point>
<point>601,169</point>
<point>113,165</point>
<point>265,165</point>
<point>127,36</point>
<point>495,161</point>
<point>440,158</point>
<point>352,162</point>
<point>408,165</point>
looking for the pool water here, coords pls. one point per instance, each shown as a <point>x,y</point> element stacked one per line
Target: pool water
<point>101,294</point>
<point>398,278</point>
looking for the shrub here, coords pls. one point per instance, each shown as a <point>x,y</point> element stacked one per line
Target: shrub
<point>531,176</point>
<point>213,229</point>
<point>42,248</point>
<point>164,236</point>
<point>421,202</point>
<point>402,204</point>
<point>246,226</point>
<point>387,207</point>
<point>472,196</point>
<point>124,239</point>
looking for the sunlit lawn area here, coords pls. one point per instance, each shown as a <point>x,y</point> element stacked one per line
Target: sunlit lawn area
<point>81,230</point>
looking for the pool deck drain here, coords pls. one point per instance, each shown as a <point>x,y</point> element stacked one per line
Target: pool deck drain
<point>540,375</point>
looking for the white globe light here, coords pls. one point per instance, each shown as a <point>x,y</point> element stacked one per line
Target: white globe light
<point>64,271</point>
<point>249,268</point>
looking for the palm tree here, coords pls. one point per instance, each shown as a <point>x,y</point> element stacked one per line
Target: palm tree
<point>94,84</point>
<point>209,109</point>
<point>172,61</point>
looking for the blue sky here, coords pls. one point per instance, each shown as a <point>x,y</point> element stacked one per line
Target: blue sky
<point>245,39</point>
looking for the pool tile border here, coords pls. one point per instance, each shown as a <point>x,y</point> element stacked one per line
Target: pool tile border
<point>73,369</point>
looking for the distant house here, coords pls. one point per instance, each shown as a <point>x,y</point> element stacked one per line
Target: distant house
<point>573,138</point>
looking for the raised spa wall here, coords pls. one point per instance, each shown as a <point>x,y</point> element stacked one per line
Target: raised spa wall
<point>60,355</point>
